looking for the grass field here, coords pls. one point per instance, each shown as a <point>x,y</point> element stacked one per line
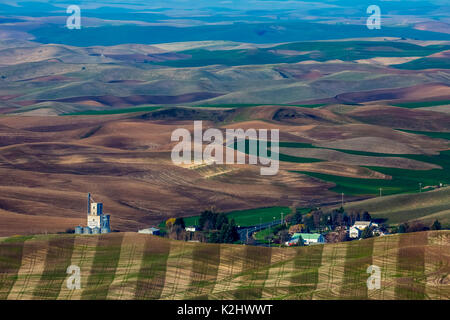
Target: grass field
<point>136,266</point>
<point>422,104</point>
<point>112,111</point>
<point>425,63</point>
<point>403,180</point>
<point>319,51</point>
<point>249,217</point>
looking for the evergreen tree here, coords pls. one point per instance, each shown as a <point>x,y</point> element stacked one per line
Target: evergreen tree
<point>402,228</point>
<point>436,225</point>
<point>221,220</point>
<point>366,216</point>
<point>367,233</point>
<point>296,218</point>
<point>179,222</point>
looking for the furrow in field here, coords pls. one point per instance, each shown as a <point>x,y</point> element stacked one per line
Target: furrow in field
<point>206,260</point>
<point>10,262</point>
<point>305,276</point>
<point>103,267</point>
<point>31,270</point>
<point>278,280</point>
<point>131,254</point>
<point>230,266</point>
<point>152,273</point>
<point>254,273</point>
<point>411,266</point>
<point>179,270</point>
<point>359,258</point>
<point>331,271</point>
<point>57,261</point>
<point>82,256</point>
<point>385,256</point>
<point>437,266</point>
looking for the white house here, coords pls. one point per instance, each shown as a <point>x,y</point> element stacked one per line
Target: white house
<point>308,238</point>
<point>358,227</point>
<point>191,228</point>
<point>152,230</point>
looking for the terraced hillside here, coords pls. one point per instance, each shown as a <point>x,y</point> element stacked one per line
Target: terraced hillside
<point>135,266</point>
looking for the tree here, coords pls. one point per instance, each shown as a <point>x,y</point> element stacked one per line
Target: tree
<point>436,225</point>
<point>284,236</point>
<point>221,220</point>
<point>170,222</point>
<point>367,233</point>
<point>297,218</point>
<point>296,228</point>
<point>179,222</point>
<point>228,233</point>
<point>207,220</point>
<point>213,237</point>
<point>366,216</point>
<point>403,228</point>
<point>316,215</point>
<point>300,242</point>
<point>308,221</point>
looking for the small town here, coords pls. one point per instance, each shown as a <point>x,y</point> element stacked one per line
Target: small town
<point>302,227</point>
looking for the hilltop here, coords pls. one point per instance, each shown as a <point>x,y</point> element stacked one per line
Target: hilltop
<point>396,209</point>
<point>135,266</point>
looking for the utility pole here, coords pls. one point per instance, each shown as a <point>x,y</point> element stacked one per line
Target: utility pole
<point>282,222</point>
<point>247,236</point>
<point>380,191</point>
<point>342,199</point>
<point>420,186</point>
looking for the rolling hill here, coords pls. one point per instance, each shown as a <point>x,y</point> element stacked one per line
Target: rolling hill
<point>395,209</point>
<point>134,266</point>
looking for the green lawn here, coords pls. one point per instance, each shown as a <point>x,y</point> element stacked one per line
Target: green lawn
<point>261,235</point>
<point>246,218</point>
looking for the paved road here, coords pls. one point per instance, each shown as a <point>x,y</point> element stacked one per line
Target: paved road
<point>252,229</point>
<point>243,231</point>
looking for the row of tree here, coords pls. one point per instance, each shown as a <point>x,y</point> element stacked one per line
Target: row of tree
<point>318,220</point>
<point>213,227</point>
<point>416,226</point>
<point>220,229</point>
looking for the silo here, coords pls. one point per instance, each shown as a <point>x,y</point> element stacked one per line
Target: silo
<point>87,230</point>
<point>78,230</point>
<point>95,230</point>
<point>106,228</point>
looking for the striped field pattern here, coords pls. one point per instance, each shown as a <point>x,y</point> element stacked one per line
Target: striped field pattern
<point>136,266</point>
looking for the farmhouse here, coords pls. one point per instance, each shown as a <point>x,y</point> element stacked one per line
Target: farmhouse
<point>153,231</point>
<point>356,230</point>
<point>308,238</point>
